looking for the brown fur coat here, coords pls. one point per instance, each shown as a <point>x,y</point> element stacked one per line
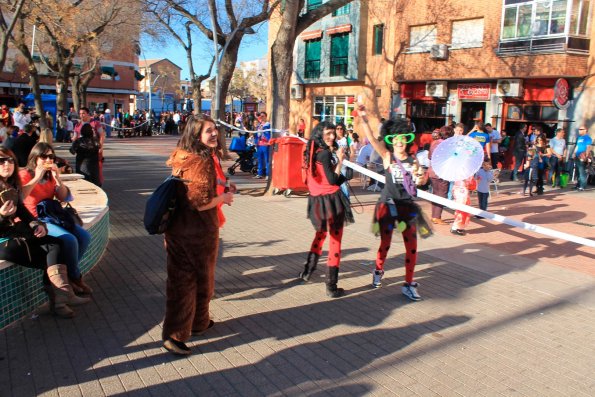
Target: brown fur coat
<point>191,244</point>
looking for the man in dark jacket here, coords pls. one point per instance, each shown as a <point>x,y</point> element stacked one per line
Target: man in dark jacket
<point>519,150</point>
<point>24,143</point>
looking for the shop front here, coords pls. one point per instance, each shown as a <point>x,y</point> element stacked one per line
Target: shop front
<point>536,108</point>
<point>474,102</point>
<point>426,112</point>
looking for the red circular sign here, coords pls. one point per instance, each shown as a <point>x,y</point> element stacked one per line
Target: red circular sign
<point>562,94</point>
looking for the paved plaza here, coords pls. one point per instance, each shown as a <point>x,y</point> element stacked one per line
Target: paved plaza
<point>505,312</point>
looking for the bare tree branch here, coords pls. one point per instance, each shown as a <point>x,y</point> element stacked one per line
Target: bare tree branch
<point>312,16</point>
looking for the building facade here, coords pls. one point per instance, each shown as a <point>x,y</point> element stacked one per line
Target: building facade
<point>505,62</point>
<point>162,81</point>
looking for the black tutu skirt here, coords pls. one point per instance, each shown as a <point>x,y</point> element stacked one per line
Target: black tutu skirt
<point>329,210</point>
<point>405,211</point>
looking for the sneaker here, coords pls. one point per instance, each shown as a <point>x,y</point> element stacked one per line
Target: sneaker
<point>257,176</point>
<point>410,291</point>
<point>377,278</point>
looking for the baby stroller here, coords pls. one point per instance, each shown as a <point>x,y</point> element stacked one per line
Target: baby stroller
<point>245,160</point>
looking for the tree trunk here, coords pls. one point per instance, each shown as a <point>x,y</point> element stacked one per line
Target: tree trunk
<point>196,96</point>
<point>62,95</point>
<point>281,66</point>
<point>226,69</point>
<point>76,99</point>
<point>36,90</point>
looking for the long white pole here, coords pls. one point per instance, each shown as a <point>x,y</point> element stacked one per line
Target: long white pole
<point>150,102</point>
<point>33,40</point>
<point>215,114</point>
<point>474,211</point>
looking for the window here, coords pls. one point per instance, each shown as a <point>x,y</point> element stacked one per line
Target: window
<point>579,17</point>
<point>543,18</point>
<point>342,11</point>
<point>532,112</point>
<point>378,39</point>
<point>422,38</point>
<point>339,54</point>
<point>312,70</point>
<point>335,109</point>
<point>313,4</point>
<point>467,34</point>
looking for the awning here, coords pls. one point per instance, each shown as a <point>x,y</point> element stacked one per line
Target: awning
<point>311,35</point>
<point>37,58</point>
<point>109,70</point>
<point>138,76</point>
<point>346,28</point>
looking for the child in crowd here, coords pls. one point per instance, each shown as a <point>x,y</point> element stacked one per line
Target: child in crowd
<point>250,141</point>
<point>484,177</point>
<point>461,195</point>
<point>532,164</point>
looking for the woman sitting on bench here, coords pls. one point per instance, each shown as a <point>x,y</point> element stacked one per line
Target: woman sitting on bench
<point>25,242</point>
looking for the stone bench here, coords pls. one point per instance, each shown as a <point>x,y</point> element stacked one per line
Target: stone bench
<point>21,289</point>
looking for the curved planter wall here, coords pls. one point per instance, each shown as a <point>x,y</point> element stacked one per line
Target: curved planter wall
<point>21,288</point>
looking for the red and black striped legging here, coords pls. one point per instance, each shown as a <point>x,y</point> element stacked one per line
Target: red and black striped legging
<point>334,254</point>
<point>387,224</point>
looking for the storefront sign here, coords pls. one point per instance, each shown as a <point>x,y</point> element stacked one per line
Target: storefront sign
<point>562,94</point>
<point>478,91</point>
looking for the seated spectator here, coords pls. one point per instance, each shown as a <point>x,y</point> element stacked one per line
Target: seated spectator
<point>25,241</point>
<point>41,181</point>
<point>86,149</point>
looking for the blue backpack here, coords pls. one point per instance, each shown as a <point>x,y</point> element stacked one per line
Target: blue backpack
<point>161,205</point>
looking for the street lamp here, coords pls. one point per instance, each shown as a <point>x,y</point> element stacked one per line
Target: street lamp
<point>150,117</point>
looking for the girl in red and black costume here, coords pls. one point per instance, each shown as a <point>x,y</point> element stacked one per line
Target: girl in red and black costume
<point>395,205</point>
<point>328,208</point>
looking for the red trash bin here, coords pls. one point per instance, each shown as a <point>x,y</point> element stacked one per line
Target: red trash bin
<point>288,158</point>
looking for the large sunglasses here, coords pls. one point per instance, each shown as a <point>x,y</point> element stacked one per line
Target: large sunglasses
<point>405,138</point>
<point>47,156</point>
<point>4,160</point>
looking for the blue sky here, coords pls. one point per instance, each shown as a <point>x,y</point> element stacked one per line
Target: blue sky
<point>252,47</point>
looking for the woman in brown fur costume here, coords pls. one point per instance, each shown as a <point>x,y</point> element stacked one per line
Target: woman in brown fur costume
<point>191,240</point>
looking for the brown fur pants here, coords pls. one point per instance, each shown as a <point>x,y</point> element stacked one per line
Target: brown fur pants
<point>190,284</point>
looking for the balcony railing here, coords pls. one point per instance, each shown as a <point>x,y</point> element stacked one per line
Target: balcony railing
<point>563,44</point>
<point>339,66</point>
<point>312,70</point>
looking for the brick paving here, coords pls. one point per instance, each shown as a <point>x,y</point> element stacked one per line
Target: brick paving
<point>505,312</point>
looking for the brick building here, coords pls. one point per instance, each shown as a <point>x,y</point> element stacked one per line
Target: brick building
<point>442,61</point>
<point>114,85</point>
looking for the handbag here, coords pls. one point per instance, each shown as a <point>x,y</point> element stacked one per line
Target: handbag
<point>51,211</point>
<point>74,214</point>
<point>408,182</point>
<point>161,205</point>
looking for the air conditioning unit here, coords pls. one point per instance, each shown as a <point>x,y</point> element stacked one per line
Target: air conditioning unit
<point>437,88</point>
<point>297,91</point>
<point>439,51</point>
<point>509,87</point>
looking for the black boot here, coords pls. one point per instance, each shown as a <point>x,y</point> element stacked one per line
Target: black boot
<point>332,291</point>
<point>309,267</point>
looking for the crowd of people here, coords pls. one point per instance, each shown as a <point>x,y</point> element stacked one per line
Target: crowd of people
<point>30,178</point>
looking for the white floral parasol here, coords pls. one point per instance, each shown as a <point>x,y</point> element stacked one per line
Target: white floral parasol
<point>457,158</point>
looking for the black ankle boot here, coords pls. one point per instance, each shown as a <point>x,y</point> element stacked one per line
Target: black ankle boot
<point>309,267</point>
<point>332,291</point>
